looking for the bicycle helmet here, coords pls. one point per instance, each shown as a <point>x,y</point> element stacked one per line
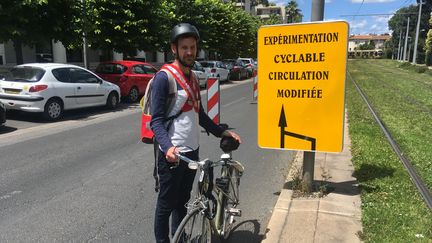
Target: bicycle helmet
<point>228,144</point>
<point>184,30</point>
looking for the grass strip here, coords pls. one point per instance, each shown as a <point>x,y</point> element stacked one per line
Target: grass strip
<point>392,208</point>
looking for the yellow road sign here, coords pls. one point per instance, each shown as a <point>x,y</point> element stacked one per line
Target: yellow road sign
<point>301,81</point>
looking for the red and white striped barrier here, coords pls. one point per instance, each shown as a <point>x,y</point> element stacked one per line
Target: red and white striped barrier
<point>255,88</point>
<point>213,96</point>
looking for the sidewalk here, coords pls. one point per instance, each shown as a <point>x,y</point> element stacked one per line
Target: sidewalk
<point>332,218</point>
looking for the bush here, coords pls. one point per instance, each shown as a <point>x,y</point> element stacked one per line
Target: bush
<point>405,65</point>
<point>428,58</point>
<point>421,69</point>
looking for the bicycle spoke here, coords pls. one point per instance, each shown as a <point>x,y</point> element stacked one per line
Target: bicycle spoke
<point>194,228</point>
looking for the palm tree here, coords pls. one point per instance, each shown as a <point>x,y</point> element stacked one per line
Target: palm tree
<point>293,13</point>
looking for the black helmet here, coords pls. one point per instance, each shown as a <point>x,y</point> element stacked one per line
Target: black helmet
<point>184,29</point>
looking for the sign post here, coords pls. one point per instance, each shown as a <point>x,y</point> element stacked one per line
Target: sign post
<point>302,87</point>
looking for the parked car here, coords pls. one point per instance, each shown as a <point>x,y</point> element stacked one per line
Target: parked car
<point>131,76</point>
<point>238,69</point>
<point>250,63</point>
<point>44,57</point>
<point>216,69</point>
<point>200,73</point>
<point>52,88</point>
<point>2,114</point>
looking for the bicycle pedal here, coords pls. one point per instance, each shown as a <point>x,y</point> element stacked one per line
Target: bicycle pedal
<point>234,212</point>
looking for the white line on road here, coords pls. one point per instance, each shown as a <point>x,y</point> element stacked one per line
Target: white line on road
<point>233,102</point>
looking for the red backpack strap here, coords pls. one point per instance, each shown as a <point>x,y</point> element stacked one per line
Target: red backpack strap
<point>191,90</point>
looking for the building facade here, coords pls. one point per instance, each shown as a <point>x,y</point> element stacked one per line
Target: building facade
<point>264,12</point>
<point>356,40</point>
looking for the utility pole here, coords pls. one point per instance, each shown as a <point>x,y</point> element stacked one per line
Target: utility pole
<point>417,32</point>
<point>399,47</point>
<point>309,156</point>
<point>84,34</point>
<point>406,41</point>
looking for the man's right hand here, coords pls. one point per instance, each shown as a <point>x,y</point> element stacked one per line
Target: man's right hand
<point>170,155</point>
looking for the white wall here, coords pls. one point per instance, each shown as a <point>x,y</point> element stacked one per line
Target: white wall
<point>59,52</point>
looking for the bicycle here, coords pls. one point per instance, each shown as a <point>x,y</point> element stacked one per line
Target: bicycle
<point>208,214</point>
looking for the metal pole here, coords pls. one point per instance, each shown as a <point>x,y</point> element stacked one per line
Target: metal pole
<point>406,41</point>
<point>317,10</point>
<point>84,35</point>
<point>417,33</point>
<point>309,156</point>
<point>399,47</point>
<point>409,50</point>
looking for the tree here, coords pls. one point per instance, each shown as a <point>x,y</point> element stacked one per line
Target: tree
<point>428,45</point>
<point>34,22</point>
<point>125,26</point>
<point>367,46</point>
<point>293,13</point>
<point>398,24</point>
<point>224,29</point>
<point>272,20</point>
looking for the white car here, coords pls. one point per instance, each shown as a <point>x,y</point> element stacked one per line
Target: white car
<point>52,88</point>
<point>250,63</point>
<point>200,73</point>
<point>216,69</point>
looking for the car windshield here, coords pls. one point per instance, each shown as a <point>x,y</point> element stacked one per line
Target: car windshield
<point>24,74</point>
<point>208,64</point>
<point>245,61</point>
<point>110,68</point>
<point>197,67</point>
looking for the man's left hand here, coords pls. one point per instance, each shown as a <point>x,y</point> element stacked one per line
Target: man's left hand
<point>228,133</point>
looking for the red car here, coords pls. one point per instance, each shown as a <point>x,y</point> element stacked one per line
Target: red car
<point>131,76</point>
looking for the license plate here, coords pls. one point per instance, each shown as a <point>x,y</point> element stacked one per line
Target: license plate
<point>12,91</point>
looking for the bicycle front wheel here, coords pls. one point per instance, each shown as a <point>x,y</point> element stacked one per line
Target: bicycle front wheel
<point>230,200</point>
<point>195,227</point>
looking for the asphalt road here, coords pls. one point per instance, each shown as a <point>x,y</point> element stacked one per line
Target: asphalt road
<point>89,178</point>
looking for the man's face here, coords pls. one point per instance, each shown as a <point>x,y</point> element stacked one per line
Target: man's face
<point>187,49</point>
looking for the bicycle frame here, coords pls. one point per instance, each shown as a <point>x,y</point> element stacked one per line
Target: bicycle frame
<point>201,200</point>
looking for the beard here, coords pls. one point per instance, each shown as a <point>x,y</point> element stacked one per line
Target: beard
<point>187,61</point>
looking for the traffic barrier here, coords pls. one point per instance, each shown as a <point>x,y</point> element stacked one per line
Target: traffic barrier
<point>213,96</point>
<point>255,89</point>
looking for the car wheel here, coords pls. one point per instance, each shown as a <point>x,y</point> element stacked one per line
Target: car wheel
<point>133,95</point>
<point>112,100</point>
<point>53,109</point>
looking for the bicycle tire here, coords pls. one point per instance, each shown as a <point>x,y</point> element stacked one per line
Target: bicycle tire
<point>230,200</point>
<point>185,231</point>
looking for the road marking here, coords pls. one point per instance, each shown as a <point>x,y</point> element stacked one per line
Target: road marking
<point>233,102</point>
<point>9,195</point>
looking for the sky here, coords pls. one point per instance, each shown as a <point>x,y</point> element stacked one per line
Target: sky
<point>354,11</point>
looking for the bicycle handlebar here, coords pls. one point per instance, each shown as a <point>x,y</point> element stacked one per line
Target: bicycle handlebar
<point>193,165</point>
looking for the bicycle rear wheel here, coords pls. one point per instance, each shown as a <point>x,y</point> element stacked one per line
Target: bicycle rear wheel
<point>195,227</point>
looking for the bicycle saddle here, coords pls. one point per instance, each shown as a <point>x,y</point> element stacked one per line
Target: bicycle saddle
<point>228,144</point>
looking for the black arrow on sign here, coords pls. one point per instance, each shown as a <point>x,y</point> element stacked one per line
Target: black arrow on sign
<point>283,125</point>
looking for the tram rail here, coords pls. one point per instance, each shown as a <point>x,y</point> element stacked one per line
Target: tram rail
<point>415,178</point>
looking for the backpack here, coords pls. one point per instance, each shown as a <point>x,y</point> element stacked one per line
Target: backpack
<point>147,135</point>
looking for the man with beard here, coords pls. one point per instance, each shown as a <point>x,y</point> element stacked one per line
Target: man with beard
<point>181,132</point>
